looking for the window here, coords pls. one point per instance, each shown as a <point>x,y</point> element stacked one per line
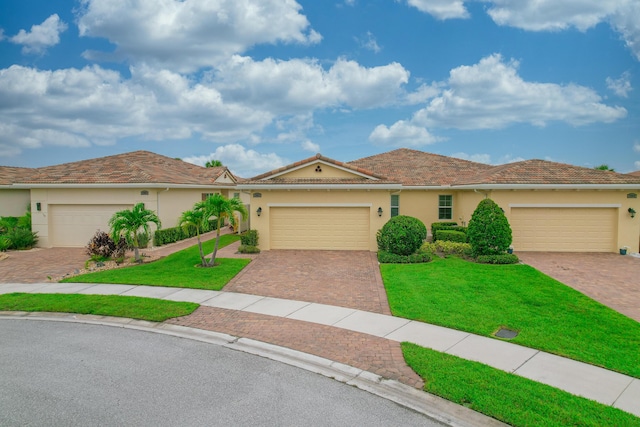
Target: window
<point>395,205</point>
<point>445,207</point>
<point>205,195</point>
<point>236,195</point>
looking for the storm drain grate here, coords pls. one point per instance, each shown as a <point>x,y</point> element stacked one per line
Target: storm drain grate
<point>506,333</point>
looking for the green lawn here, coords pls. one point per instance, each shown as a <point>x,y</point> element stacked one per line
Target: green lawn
<point>507,397</point>
<point>180,270</point>
<point>103,305</point>
<point>481,298</point>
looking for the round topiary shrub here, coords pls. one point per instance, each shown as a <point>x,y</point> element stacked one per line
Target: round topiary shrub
<point>489,231</point>
<point>401,235</point>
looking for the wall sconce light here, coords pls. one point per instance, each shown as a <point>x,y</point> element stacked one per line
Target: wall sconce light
<point>259,211</point>
<point>380,211</point>
<point>38,206</point>
<point>632,212</point>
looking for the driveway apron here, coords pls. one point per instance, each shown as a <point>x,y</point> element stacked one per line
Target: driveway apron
<point>611,279</point>
<point>344,278</point>
<point>38,264</point>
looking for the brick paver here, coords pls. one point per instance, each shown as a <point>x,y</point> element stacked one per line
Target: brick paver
<point>38,264</point>
<point>373,354</point>
<point>344,278</point>
<point>612,279</point>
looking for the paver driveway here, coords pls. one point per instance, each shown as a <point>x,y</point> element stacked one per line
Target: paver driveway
<point>609,278</point>
<point>36,265</point>
<point>345,278</point>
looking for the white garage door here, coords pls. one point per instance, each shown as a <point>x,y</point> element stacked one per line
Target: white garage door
<point>74,225</point>
<point>330,228</point>
<point>564,229</point>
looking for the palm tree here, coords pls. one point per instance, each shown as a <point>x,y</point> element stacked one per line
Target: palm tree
<point>129,222</point>
<point>604,167</point>
<point>221,208</point>
<point>195,218</point>
<point>213,163</point>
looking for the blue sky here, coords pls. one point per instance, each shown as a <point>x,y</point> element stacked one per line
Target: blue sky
<point>258,84</point>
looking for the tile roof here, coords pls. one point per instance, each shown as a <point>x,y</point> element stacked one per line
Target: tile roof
<point>138,167</point>
<point>417,168</point>
<point>10,174</point>
<point>636,173</point>
<point>543,172</point>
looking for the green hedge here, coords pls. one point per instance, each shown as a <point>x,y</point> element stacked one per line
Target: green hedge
<point>389,258</point>
<point>448,248</point>
<point>450,235</point>
<point>498,259</point>
<point>175,234</point>
<point>249,238</point>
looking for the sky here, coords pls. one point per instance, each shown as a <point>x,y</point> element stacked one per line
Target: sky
<point>258,84</point>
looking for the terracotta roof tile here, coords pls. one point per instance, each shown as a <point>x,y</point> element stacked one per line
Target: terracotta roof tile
<point>544,172</point>
<point>636,173</point>
<point>138,167</point>
<point>417,168</point>
<point>10,174</point>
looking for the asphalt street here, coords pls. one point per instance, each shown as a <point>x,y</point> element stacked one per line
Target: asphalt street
<point>61,374</point>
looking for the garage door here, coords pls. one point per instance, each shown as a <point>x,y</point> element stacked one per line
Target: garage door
<point>564,229</point>
<point>74,225</point>
<point>339,228</point>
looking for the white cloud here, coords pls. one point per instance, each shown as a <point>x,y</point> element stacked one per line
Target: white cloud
<point>402,134</point>
<point>441,9</point>
<point>240,161</point>
<point>626,21</point>
<point>637,165</point>
<point>620,86</point>
<point>191,34</point>
<point>41,36</point>
<point>310,146</point>
<point>423,93</point>
<point>369,42</point>
<point>636,146</point>
<point>288,86</point>
<point>491,95</point>
<point>478,158</point>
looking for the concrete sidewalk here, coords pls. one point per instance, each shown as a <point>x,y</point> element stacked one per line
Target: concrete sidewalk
<point>607,387</point>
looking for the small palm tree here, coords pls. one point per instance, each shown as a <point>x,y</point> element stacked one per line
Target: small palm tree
<point>213,163</point>
<point>195,218</point>
<point>221,208</point>
<point>128,223</point>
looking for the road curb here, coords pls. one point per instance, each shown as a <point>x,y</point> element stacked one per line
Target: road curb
<point>432,406</point>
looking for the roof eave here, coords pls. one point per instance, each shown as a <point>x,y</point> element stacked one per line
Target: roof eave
<point>547,186</point>
<point>319,186</point>
<point>121,185</point>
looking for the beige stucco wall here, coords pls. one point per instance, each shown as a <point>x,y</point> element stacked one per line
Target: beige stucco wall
<point>168,204</point>
<point>272,198</point>
<point>13,202</point>
<point>327,171</point>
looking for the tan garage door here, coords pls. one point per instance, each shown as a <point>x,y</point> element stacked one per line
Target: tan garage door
<point>564,229</point>
<point>332,228</point>
<point>74,225</point>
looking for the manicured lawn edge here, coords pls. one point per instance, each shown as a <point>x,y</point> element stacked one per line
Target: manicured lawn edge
<point>179,270</point>
<point>140,308</point>
<point>512,399</point>
<point>548,315</point>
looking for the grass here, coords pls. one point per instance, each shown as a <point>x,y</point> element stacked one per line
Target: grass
<point>507,397</point>
<point>180,270</point>
<point>103,305</point>
<point>481,298</point>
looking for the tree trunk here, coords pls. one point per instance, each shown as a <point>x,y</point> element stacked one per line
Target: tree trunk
<point>136,254</point>
<point>203,259</point>
<point>215,248</point>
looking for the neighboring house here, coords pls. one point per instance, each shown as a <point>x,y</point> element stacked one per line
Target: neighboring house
<point>69,202</point>
<point>321,203</point>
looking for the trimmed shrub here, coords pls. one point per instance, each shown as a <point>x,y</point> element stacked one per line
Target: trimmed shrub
<point>401,235</point>
<point>175,234</point>
<point>448,248</point>
<point>450,236</point>
<point>143,240</point>
<point>498,259</point>
<point>390,258</point>
<point>5,243</point>
<point>489,231</point>
<point>22,238</point>
<point>249,238</point>
<point>248,249</point>
<point>441,226</point>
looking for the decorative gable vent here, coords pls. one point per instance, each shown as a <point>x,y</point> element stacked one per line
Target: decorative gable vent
<point>632,196</point>
<point>144,193</point>
<point>318,168</point>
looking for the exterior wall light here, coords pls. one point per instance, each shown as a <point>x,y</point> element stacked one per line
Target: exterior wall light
<point>38,206</point>
<point>632,212</point>
<point>380,211</point>
<point>259,211</point>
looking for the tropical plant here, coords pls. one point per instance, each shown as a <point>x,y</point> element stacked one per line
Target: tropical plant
<point>605,167</point>
<point>129,223</point>
<point>489,231</point>
<point>195,219</point>
<point>213,163</point>
<point>216,206</point>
